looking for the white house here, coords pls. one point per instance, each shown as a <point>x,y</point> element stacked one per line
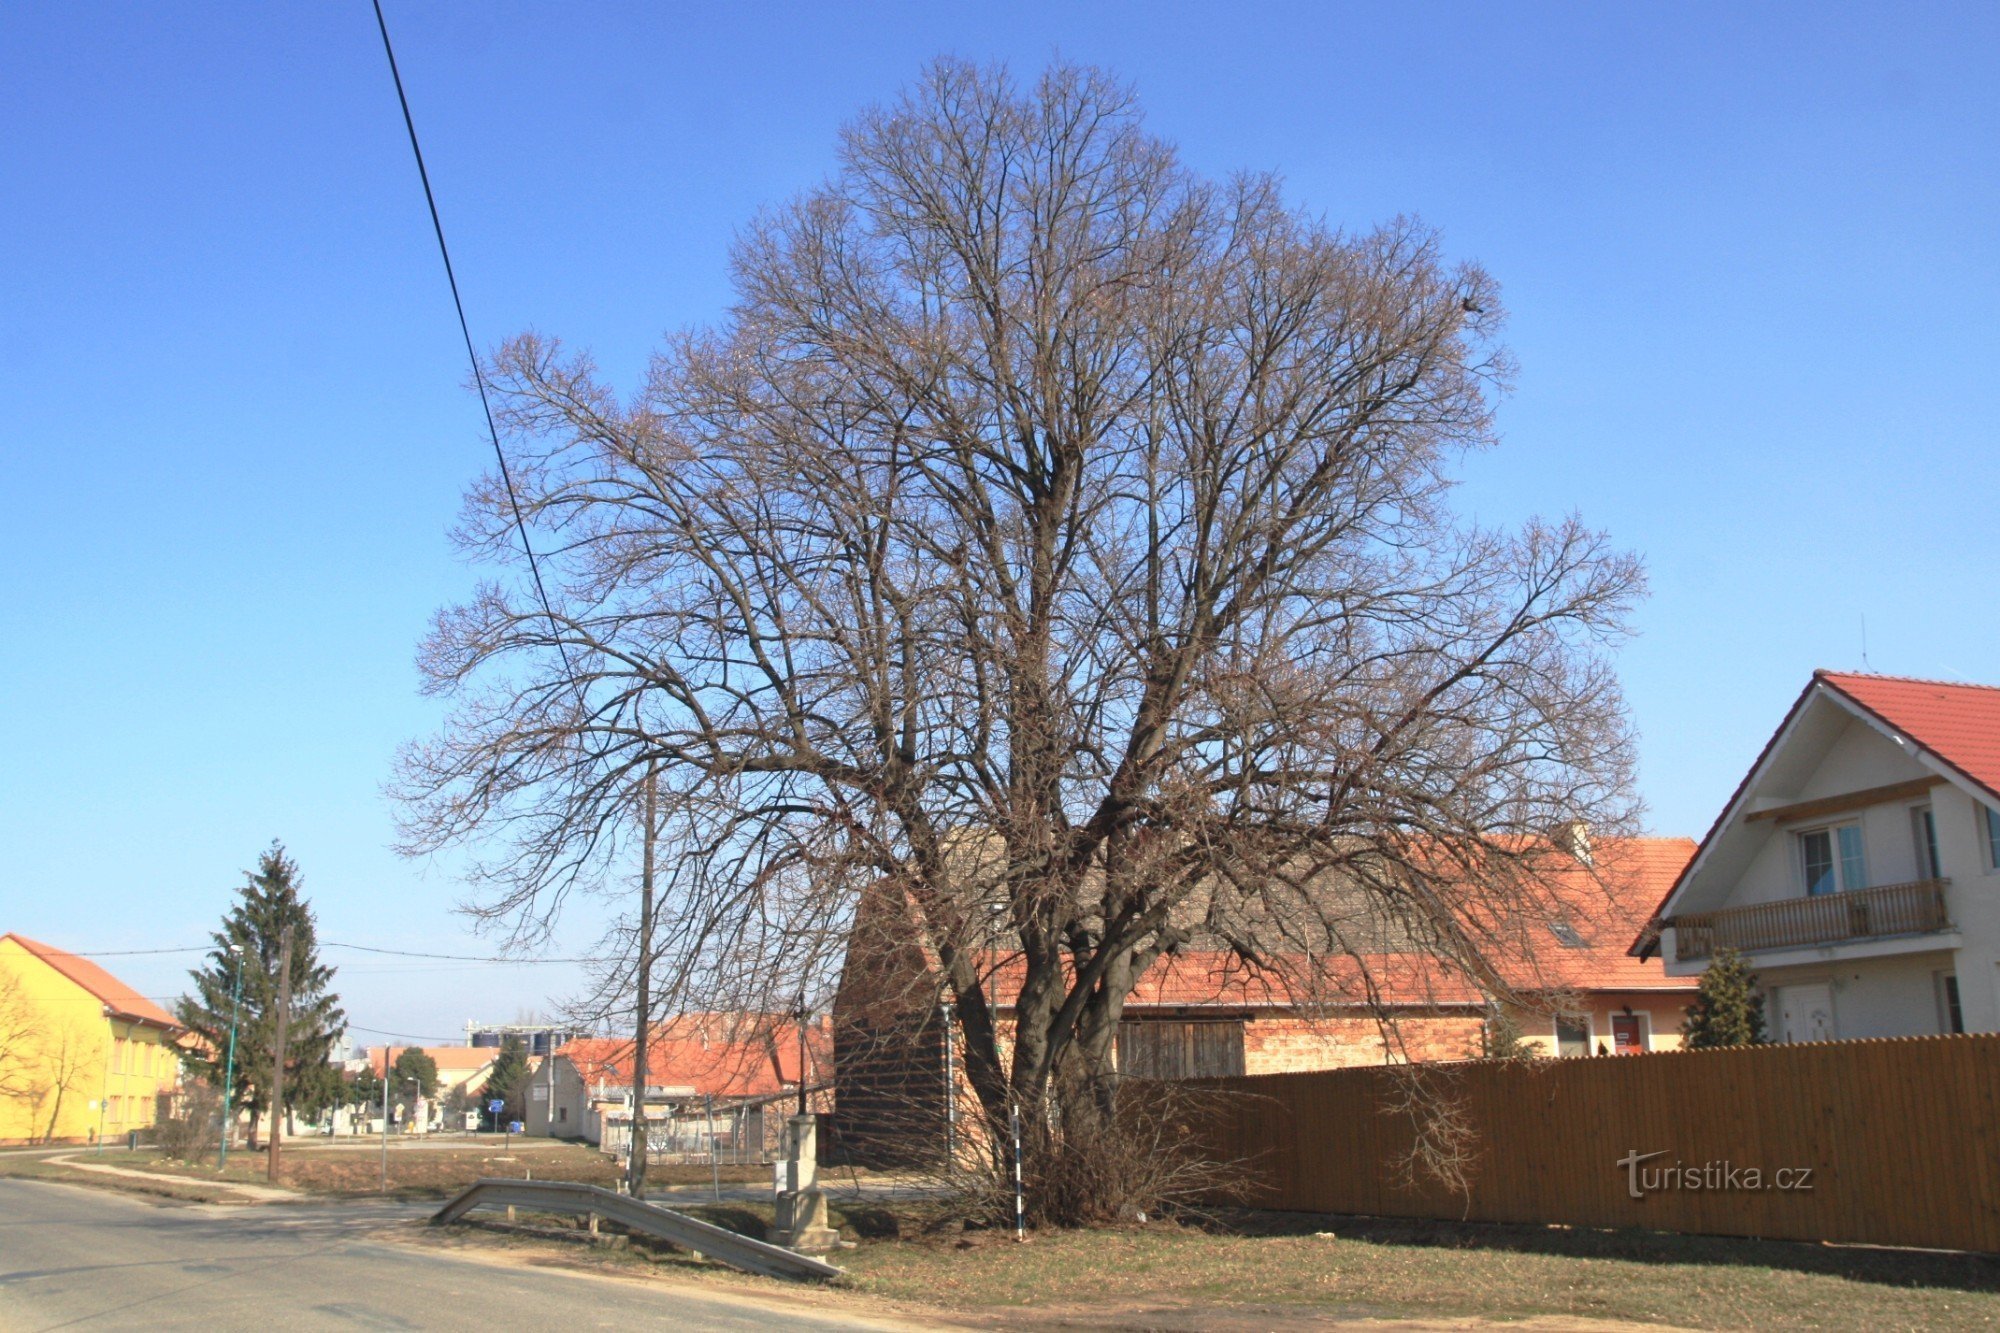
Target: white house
<point>1855,868</point>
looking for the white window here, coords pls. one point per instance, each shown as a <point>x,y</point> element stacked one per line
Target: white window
<point>1573,1036</point>
<point>1923,828</point>
<point>1992,822</point>
<point>1833,859</point>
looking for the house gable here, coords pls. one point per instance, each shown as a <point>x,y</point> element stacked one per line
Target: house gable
<point>1829,744</point>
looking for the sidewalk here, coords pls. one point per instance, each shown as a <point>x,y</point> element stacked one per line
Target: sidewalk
<point>250,1193</point>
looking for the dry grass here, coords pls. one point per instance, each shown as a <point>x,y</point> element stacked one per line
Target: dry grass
<point>1278,1270</point>
<point>1358,1268</point>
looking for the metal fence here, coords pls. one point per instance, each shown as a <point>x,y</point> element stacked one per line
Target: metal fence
<point>732,1136</point>
<point>1893,1142</point>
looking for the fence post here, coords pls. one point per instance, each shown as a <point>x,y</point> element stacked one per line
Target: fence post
<point>1020,1199</point>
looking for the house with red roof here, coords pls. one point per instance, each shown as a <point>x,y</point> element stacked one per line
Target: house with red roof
<point>1576,990</point>
<point>707,1074</point>
<point>1856,867</point>
<point>83,1056</point>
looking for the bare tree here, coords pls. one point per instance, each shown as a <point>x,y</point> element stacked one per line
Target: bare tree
<point>22,1034</point>
<point>1055,540</point>
<point>68,1056</point>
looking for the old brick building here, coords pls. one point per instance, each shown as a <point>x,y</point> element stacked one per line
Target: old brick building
<point>1205,1012</point>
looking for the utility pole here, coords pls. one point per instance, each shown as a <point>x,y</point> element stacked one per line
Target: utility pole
<point>229,1069</point>
<point>802,1014</point>
<point>635,1163</point>
<point>278,1053</point>
<point>388,1064</point>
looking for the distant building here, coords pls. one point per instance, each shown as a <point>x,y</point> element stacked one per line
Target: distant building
<point>729,1064</point>
<point>83,1056</point>
<point>536,1038</point>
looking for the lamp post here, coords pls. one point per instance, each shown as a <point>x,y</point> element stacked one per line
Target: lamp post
<point>229,1068</point>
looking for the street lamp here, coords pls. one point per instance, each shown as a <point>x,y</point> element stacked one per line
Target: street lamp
<point>229,1069</point>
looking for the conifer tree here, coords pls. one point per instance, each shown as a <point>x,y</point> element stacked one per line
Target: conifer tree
<point>1728,1009</point>
<point>509,1077</point>
<point>253,929</point>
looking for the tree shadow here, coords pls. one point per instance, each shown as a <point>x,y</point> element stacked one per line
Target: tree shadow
<point>1860,1263</point>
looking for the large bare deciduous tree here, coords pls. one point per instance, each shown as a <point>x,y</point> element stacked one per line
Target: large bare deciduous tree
<point>1059,540</point>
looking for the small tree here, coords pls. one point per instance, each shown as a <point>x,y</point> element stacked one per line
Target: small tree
<point>509,1078</point>
<point>1502,1037</point>
<point>416,1075</point>
<point>456,1103</point>
<point>364,1090</point>
<point>252,935</point>
<point>1728,1009</point>
<point>188,1132</point>
<point>23,1031</point>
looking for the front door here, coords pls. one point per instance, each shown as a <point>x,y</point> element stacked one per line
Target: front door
<point>1805,1013</point>
<point>1627,1034</point>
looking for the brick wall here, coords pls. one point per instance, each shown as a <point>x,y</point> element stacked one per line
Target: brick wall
<point>1287,1045</point>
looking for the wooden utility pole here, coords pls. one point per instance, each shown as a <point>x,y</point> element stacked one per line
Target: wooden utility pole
<point>635,1164</point>
<point>278,1053</point>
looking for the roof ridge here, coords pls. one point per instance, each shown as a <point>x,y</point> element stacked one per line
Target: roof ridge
<point>1827,673</point>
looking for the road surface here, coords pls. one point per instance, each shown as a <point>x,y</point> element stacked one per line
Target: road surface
<point>72,1257</point>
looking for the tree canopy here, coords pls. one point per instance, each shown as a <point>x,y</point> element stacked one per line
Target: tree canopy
<point>1054,541</point>
<point>247,950</point>
<point>1728,1009</point>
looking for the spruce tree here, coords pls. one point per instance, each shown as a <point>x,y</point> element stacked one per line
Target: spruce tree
<point>1728,1009</point>
<point>269,900</point>
<point>509,1077</point>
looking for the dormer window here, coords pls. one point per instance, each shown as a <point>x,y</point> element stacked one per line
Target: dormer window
<point>1834,859</point>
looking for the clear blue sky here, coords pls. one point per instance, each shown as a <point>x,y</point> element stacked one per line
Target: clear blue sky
<point>1749,252</point>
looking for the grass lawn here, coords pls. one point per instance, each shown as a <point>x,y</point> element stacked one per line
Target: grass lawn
<point>1278,1269</point>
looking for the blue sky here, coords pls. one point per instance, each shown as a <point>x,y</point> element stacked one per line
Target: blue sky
<point>1747,250</point>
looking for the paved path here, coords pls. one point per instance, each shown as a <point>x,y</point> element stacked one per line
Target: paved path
<point>240,1189</point>
<point>72,1257</point>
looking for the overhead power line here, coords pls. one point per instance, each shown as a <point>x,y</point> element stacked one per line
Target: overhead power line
<point>472,355</point>
<point>358,948</point>
<point>411,1036</point>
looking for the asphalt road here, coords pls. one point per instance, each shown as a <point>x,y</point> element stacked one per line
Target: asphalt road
<point>72,1257</point>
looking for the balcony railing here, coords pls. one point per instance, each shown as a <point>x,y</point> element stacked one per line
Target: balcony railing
<point>1916,908</point>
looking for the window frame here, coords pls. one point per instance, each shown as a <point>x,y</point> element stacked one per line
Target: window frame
<point>1923,832</point>
<point>1838,853</point>
<point>1989,819</point>
<point>1589,1024</point>
<point>1951,1007</point>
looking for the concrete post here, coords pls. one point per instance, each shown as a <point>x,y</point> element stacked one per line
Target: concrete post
<point>800,1206</point>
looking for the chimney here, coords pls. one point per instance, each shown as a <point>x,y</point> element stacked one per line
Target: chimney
<point>1573,836</point>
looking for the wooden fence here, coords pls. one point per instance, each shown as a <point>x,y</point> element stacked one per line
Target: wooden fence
<point>1901,1139</point>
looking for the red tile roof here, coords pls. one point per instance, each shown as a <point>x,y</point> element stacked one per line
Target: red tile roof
<point>1605,910</point>
<point>448,1059</point>
<point>717,1055</point>
<point>1958,724</point>
<point>119,998</point>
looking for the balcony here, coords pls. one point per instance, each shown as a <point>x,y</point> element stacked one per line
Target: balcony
<point>1916,908</point>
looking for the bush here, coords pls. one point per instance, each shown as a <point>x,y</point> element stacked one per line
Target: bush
<point>189,1133</point>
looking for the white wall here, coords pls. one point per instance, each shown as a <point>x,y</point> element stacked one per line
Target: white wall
<point>1874,997</point>
<point>1973,899</point>
<point>1861,758</point>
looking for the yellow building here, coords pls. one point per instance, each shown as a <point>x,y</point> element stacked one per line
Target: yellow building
<point>82,1055</point>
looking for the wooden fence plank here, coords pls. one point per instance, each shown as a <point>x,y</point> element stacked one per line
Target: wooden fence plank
<point>1903,1138</point>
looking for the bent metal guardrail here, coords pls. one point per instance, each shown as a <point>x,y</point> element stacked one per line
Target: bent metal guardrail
<point>713,1242</point>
